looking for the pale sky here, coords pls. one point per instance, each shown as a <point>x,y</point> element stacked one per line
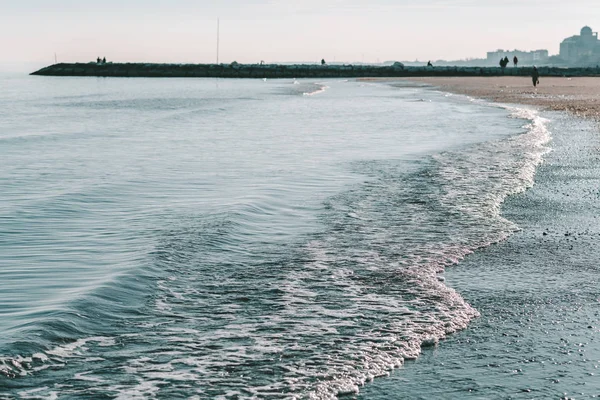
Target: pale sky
<point>31,31</point>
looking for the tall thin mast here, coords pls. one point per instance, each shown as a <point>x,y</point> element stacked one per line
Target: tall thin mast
<point>218,29</point>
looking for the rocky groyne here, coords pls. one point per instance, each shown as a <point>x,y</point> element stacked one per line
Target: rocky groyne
<point>235,70</point>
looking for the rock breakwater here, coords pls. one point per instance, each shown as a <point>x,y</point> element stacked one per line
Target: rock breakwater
<point>235,70</point>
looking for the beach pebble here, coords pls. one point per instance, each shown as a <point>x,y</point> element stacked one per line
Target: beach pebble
<point>429,342</point>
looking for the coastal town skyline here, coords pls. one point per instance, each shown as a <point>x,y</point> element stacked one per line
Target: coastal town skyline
<point>348,31</point>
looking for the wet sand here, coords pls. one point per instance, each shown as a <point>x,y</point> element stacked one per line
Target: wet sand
<point>580,96</point>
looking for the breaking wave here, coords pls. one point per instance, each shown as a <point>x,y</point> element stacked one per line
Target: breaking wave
<point>314,319</point>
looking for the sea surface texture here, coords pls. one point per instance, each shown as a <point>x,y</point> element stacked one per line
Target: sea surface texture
<point>199,239</point>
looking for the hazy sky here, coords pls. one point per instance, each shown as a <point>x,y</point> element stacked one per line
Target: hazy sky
<point>276,30</point>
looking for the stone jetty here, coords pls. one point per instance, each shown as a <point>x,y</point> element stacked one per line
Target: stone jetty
<point>235,70</point>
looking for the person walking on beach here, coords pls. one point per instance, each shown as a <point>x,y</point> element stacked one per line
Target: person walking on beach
<point>535,77</point>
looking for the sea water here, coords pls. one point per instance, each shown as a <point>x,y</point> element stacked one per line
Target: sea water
<point>202,238</point>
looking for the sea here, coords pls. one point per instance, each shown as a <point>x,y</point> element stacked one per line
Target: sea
<point>277,239</point>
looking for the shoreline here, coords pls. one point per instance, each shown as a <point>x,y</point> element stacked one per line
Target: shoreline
<point>538,335</point>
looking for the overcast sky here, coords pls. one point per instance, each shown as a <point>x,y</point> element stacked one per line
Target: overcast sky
<point>31,31</point>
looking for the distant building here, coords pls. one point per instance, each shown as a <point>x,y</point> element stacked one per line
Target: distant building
<point>581,49</point>
<point>525,57</point>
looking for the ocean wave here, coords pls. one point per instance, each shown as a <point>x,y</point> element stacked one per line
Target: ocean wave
<point>321,89</point>
<point>311,319</point>
<point>442,213</point>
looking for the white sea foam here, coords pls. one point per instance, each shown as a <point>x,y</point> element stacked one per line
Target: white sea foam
<point>87,376</point>
<point>55,357</point>
<point>321,89</point>
<point>475,183</point>
<point>42,393</point>
<point>142,391</point>
<point>76,349</point>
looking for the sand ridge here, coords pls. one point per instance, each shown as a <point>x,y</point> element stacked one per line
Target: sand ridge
<point>580,96</point>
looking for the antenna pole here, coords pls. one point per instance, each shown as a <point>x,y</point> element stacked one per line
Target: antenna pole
<point>218,32</point>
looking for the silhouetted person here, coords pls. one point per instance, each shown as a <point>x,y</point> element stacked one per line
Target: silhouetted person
<point>323,62</point>
<point>429,64</point>
<point>535,77</point>
<point>515,61</point>
<point>98,60</point>
<point>104,60</point>
<point>502,63</point>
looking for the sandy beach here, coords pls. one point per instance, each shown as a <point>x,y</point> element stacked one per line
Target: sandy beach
<point>580,96</point>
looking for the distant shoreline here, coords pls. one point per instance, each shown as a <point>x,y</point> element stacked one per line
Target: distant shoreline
<point>274,71</point>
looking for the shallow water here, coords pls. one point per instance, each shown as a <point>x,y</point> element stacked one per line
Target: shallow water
<point>216,238</point>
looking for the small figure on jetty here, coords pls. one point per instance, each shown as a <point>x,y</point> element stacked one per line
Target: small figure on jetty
<point>323,61</point>
<point>535,77</point>
<point>104,60</point>
<point>515,61</point>
<point>98,60</point>
<point>429,64</point>
<point>503,63</point>
<point>398,64</point>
